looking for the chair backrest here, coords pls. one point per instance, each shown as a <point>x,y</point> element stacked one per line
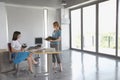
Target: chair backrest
<point>9,47</point>
<point>10,52</point>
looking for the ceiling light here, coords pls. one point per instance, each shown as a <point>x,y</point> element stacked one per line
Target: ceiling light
<point>63,3</point>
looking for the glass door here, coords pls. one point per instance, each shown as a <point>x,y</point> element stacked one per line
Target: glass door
<point>76,29</point>
<point>89,23</point>
<point>107,27</point>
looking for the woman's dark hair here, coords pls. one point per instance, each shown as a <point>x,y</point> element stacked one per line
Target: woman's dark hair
<point>15,35</point>
<point>57,24</point>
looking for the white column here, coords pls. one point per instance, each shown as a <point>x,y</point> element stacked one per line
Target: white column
<point>65,29</point>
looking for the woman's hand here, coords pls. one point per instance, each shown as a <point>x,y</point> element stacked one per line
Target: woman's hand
<point>51,40</point>
<point>22,49</point>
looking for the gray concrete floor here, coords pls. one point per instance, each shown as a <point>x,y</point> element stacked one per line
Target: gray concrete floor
<point>76,66</point>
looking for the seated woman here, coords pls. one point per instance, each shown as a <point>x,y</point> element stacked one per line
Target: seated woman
<point>21,55</point>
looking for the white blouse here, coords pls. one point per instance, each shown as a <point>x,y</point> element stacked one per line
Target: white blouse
<point>16,45</point>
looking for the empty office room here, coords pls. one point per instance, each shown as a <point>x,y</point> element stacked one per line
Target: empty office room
<point>59,39</point>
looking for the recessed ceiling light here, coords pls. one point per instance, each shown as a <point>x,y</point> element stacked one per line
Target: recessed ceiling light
<point>63,3</point>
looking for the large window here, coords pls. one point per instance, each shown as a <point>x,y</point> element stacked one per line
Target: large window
<point>101,17</point>
<point>76,28</point>
<point>107,27</point>
<point>89,22</point>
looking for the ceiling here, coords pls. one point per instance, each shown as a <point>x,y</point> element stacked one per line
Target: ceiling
<point>45,3</point>
<point>41,3</point>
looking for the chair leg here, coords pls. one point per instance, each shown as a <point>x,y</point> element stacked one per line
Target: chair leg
<point>14,67</point>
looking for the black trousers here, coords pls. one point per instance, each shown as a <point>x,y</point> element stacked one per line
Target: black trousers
<point>56,57</point>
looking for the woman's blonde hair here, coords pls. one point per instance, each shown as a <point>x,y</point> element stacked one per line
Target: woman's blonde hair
<point>56,24</point>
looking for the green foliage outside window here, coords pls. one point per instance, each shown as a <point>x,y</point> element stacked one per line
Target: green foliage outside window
<point>78,41</point>
<point>107,40</point>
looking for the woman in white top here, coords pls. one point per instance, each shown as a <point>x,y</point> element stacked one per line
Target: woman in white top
<point>21,55</point>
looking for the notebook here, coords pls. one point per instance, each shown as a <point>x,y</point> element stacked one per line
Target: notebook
<point>50,38</point>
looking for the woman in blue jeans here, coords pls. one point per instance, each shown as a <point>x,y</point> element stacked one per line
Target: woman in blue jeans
<point>56,44</point>
<point>19,53</point>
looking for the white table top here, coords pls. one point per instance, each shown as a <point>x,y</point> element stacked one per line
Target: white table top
<point>45,51</point>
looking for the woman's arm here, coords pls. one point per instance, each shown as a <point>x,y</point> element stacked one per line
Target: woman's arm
<point>57,40</point>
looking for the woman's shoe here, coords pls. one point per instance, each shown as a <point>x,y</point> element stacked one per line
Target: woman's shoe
<point>35,62</point>
<point>31,71</point>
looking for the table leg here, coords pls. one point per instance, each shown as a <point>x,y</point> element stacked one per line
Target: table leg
<point>49,63</point>
<point>49,66</point>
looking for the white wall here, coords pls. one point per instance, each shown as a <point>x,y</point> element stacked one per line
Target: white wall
<point>3,27</point>
<point>53,15</point>
<point>28,21</point>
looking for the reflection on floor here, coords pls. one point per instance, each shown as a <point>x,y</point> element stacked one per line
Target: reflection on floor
<point>76,66</point>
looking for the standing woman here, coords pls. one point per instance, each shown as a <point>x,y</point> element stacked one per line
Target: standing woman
<point>19,53</point>
<point>56,44</point>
